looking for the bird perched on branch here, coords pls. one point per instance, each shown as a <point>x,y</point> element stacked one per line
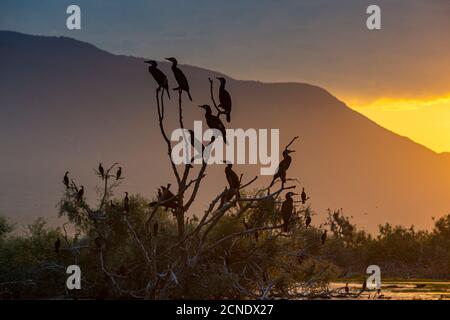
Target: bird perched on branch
<point>286,210</point>
<point>119,173</point>
<point>126,203</point>
<point>224,99</point>
<point>80,194</point>
<point>181,79</point>
<point>304,198</point>
<point>166,198</point>
<point>159,76</point>
<point>213,121</point>
<point>66,180</point>
<point>101,170</point>
<point>307,221</point>
<point>233,179</point>
<point>283,167</point>
<point>323,237</point>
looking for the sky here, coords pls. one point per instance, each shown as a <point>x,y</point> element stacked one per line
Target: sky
<point>398,76</point>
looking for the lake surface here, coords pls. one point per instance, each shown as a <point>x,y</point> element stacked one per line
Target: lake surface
<point>403,290</point>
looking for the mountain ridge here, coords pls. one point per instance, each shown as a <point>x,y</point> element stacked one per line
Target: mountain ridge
<point>71,111</point>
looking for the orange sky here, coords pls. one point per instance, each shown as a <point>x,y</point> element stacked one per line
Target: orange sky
<point>424,120</point>
<point>398,76</point>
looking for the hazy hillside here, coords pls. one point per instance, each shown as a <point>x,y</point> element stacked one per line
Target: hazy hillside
<point>65,104</point>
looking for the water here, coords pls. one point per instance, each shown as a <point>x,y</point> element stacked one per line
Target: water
<point>403,290</point>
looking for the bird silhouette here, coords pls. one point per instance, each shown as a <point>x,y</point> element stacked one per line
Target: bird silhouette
<point>166,196</point>
<point>233,179</point>
<point>323,237</point>
<point>119,173</point>
<point>303,196</point>
<point>101,170</point>
<point>307,221</point>
<point>181,79</point>
<point>287,208</point>
<point>213,121</point>
<point>57,245</point>
<point>364,285</point>
<point>126,203</point>
<point>159,76</point>
<point>283,167</point>
<point>224,99</point>
<point>80,194</point>
<point>66,180</point>
<point>347,289</point>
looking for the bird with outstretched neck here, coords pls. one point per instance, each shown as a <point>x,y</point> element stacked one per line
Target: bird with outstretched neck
<point>287,208</point>
<point>159,76</point>
<point>181,79</point>
<point>224,99</point>
<point>283,167</point>
<point>214,122</point>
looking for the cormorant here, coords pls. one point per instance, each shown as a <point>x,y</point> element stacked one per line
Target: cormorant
<point>183,84</point>
<point>164,195</point>
<point>126,203</point>
<point>307,221</point>
<point>119,173</point>
<point>232,177</point>
<point>303,196</point>
<point>57,245</point>
<point>364,286</point>
<point>159,76</point>
<point>224,99</point>
<point>233,180</point>
<point>101,170</point>
<point>213,121</point>
<point>66,179</point>
<point>347,289</point>
<point>283,167</point>
<point>286,210</point>
<point>80,194</point>
<point>323,237</point>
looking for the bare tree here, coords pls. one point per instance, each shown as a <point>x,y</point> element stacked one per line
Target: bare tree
<point>167,270</point>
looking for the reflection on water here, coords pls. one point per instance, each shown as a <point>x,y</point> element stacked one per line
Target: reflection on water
<point>403,290</point>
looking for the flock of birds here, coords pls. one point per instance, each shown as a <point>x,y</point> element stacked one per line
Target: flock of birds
<point>165,197</point>
<point>214,122</point>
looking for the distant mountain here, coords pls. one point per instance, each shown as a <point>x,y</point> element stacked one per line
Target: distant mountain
<point>65,104</point>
